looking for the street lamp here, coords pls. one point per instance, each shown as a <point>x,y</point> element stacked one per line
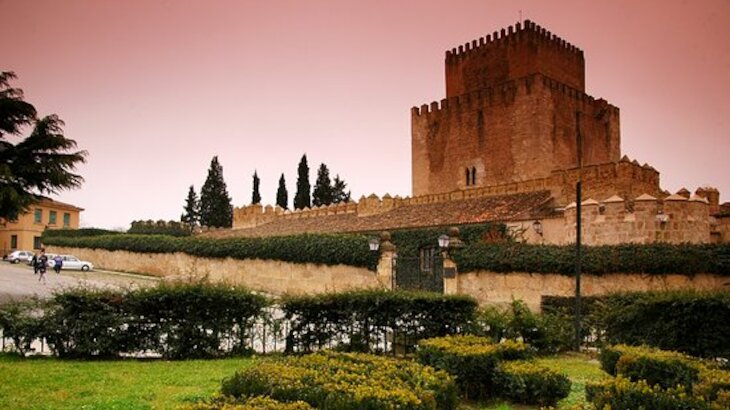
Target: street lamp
<point>444,241</point>
<point>374,244</point>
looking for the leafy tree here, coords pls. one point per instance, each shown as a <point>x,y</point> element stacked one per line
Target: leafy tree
<point>191,214</point>
<point>301,198</point>
<point>282,196</point>
<point>42,163</point>
<point>322,194</point>
<point>256,197</point>
<point>338,191</point>
<point>215,204</point>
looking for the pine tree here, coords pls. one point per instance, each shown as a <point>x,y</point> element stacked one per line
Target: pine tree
<point>282,196</point>
<point>256,197</point>
<point>191,214</point>
<point>301,198</point>
<point>338,191</point>
<point>322,194</point>
<point>215,204</point>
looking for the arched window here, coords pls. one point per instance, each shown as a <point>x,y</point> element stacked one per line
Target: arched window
<point>468,180</point>
<point>473,176</point>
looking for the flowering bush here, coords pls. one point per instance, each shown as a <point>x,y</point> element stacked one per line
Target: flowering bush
<point>472,360</point>
<point>346,381</point>
<point>528,382</point>
<point>621,393</point>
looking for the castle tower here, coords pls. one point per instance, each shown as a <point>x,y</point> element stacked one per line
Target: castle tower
<point>515,109</point>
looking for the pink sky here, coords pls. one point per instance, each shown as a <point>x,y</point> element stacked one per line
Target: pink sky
<point>154,89</point>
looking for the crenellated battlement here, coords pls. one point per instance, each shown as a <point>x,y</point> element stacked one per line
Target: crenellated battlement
<point>645,219</point>
<point>505,93</point>
<point>511,36</point>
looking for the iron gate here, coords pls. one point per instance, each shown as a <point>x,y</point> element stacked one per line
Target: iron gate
<point>425,273</point>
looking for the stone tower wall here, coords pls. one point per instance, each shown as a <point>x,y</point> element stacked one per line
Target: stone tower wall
<point>520,130</point>
<point>512,53</point>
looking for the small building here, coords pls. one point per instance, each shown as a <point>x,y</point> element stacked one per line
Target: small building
<point>25,232</point>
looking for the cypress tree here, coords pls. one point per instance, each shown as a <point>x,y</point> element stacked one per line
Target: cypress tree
<point>323,191</point>
<point>282,196</point>
<point>215,204</point>
<point>191,209</point>
<point>256,197</point>
<point>301,198</point>
<point>338,191</point>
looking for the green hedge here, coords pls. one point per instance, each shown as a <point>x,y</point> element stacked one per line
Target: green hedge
<point>176,321</point>
<point>527,382</point>
<point>695,323</point>
<point>472,360</point>
<point>361,320</point>
<point>657,379</point>
<point>76,233</point>
<point>409,242</point>
<point>171,228</point>
<point>253,403</point>
<point>346,381</point>
<point>658,259</point>
<point>324,249</point>
<point>691,322</point>
<point>658,367</point>
<point>622,394</point>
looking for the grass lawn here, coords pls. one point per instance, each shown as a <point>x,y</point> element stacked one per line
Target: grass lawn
<point>49,383</point>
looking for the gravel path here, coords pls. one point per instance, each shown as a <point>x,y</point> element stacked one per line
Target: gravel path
<point>18,281</point>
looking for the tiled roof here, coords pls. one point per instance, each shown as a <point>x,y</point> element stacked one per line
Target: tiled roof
<point>503,208</point>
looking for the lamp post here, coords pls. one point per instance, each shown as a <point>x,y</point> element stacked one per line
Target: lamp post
<point>578,187</point>
<point>374,244</point>
<point>444,241</point>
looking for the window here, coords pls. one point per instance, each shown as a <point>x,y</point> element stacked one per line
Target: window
<point>38,216</point>
<point>66,219</point>
<point>427,258</point>
<point>37,242</point>
<point>52,218</point>
<point>13,241</point>
<point>467,177</point>
<point>473,176</point>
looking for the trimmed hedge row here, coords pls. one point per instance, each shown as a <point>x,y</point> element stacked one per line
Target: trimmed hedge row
<point>76,233</point>
<point>691,322</point>
<point>253,403</point>
<point>658,259</point>
<point>346,381</point>
<point>409,242</point>
<point>175,321</point>
<point>656,379</point>
<point>658,367</point>
<point>171,228</point>
<point>323,249</point>
<point>358,320</point>
<point>483,369</point>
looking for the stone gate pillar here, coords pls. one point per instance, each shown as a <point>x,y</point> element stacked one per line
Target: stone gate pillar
<point>386,261</point>
<point>451,282</point>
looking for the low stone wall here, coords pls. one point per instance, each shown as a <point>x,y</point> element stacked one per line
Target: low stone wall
<point>502,288</point>
<point>274,277</point>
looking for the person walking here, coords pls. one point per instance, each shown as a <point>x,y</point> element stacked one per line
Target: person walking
<point>57,263</point>
<point>42,265</point>
<point>34,263</point>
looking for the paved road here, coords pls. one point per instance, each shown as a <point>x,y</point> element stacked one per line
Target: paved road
<point>18,281</point>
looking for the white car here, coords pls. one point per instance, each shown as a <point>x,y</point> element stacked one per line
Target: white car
<point>71,262</point>
<point>20,256</point>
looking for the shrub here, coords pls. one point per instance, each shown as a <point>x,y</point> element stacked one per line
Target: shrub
<point>253,403</point>
<point>546,333</point>
<point>530,383</point>
<point>472,360</point>
<point>667,369</point>
<point>76,233</point>
<point>346,381</point>
<point>694,323</point>
<point>410,241</point>
<point>657,258</point>
<point>714,386</point>
<point>327,249</point>
<point>177,321</point>
<point>21,322</point>
<point>171,228</point>
<point>367,316</point>
<point>621,394</point>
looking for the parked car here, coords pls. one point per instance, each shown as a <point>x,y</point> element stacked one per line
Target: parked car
<point>71,262</point>
<point>20,256</point>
